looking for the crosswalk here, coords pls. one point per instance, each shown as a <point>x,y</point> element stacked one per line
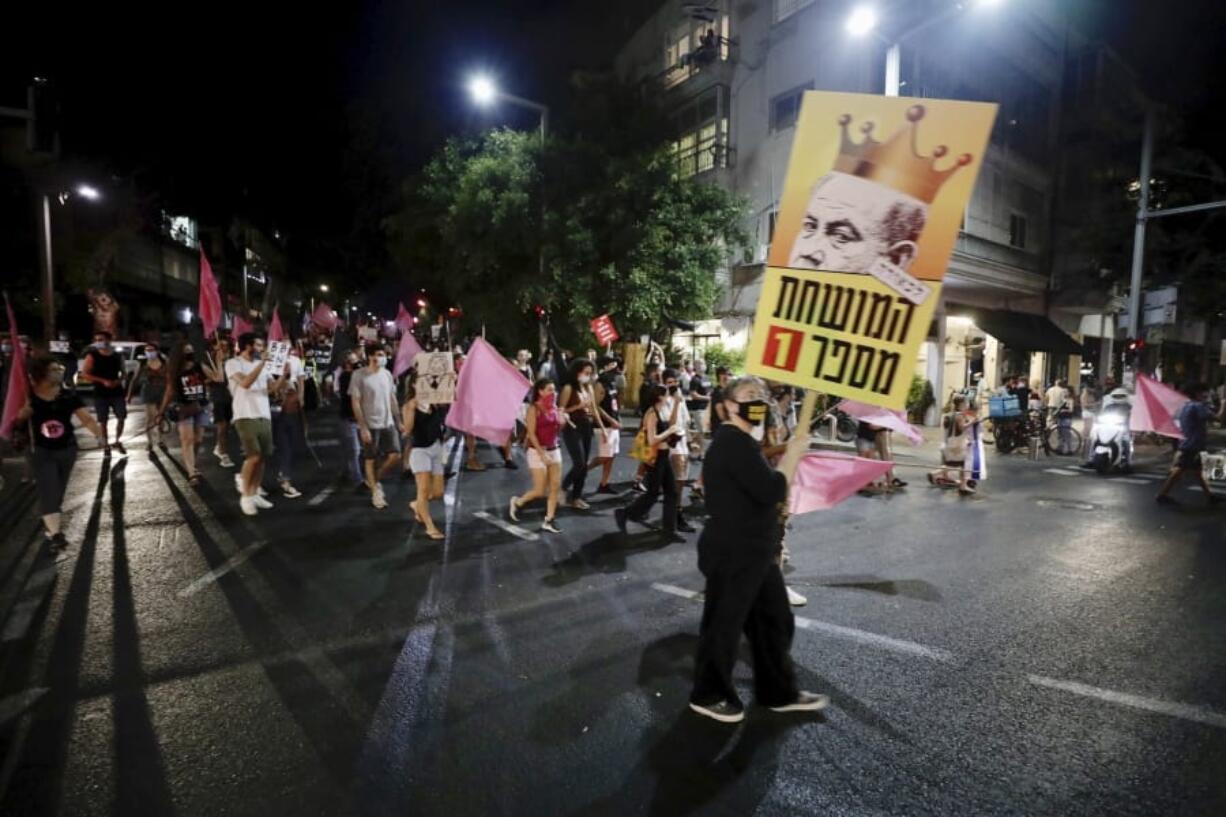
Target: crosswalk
<point>1135,478</point>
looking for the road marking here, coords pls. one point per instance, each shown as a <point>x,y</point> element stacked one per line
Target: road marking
<point>319,498</point>
<point>863,636</point>
<point>514,530</point>
<point>1064,472</point>
<point>222,569</point>
<point>1131,481</point>
<point>1186,712</point>
<point>1200,490</point>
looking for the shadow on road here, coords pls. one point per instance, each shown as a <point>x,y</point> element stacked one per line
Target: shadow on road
<point>907,588</point>
<point>605,554</point>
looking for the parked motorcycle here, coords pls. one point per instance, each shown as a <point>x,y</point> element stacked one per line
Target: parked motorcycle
<point>1110,445</point>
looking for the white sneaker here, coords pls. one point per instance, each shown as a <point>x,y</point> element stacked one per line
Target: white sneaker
<point>377,498</point>
<point>794,598</point>
<point>225,462</point>
<point>261,502</point>
<point>247,503</point>
<point>238,483</point>
<point>513,512</point>
<point>289,490</point>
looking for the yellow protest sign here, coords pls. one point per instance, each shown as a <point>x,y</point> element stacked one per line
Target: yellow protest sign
<point>865,230</point>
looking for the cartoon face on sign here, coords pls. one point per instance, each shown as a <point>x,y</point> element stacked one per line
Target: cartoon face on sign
<point>436,378</point>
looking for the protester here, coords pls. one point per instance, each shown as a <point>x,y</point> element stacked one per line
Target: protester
<point>700,406</point>
<point>104,369</point>
<point>578,402</point>
<point>885,452</point>
<point>866,446</point>
<point>651,378</point>
<point>373,393</point>
<point>351,444</point>
<point>424,429</point>
<point>662,431</point>
<point>50,409</point>
<point>1193,421</point>
<point>679,452</point>
<point>738,554</point>
<point>547,370</point>
<point>609,413</point>
<point>1091,400</point>
<point>544,421</point>
<point>150,381</point>
<point>249,385</point>
<point>221,403</point>
<point>956,447</point>
<point>184,403</point>
<point>286,404</point>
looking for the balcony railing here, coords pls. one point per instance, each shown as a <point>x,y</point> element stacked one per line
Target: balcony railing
<point>710,58</point>
<point>708,154</point>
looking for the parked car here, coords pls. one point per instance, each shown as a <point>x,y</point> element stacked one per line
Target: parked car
<point>133,355</point>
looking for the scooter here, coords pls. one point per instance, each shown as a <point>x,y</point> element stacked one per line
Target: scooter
<point>1110,444</point>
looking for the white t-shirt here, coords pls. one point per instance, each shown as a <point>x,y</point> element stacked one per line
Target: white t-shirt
<point>683,421</point>
<point>249,403</point>
<point>1056,396</point>
<point>376,391</point>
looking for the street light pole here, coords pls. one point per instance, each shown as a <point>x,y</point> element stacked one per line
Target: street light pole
<point>44,238</point>
<point>1138,239</point>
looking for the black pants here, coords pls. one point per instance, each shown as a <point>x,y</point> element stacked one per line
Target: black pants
<point>579,446</point>
<point>660,479</point>
<point>745,595</point>
<point>52,470</point>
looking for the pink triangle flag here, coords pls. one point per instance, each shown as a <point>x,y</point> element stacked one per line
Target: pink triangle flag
<point>210,297</point>
<point>324,317</point>
<point>1156,407</point>
<point>823,480</point>
<point>405,355</point>
<point>19,386</point>
<point>404,321</point>
<point>892,419</point>
<point>275,332</point>
<point>488,395</point>
<point>241,326</point>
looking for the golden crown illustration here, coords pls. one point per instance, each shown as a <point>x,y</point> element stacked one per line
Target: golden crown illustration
<point>896,162</point>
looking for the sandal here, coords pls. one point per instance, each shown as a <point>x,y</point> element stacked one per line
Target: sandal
<point>436,534</point>
<point>194,480</point>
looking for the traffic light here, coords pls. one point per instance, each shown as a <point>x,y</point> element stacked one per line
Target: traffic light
<point>539,311</point>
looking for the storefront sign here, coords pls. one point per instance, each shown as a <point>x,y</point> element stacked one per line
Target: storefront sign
<point>866,228</point>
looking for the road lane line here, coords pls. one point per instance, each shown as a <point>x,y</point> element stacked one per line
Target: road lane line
<point>1064,472</point>
<point>1185,712</point>
<point>1200,490</point>
<point>1131,481</point>
<point>222,569</point>
<point>514,530</point>
<point>319,498</point>
<point>863,636</point>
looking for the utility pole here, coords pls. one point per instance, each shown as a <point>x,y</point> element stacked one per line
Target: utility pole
<point>1138,239</point>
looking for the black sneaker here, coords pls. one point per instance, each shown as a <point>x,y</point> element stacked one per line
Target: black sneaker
<point>59,542</point>
<point>606,489</point>
<point>805,702</point>
<point>122,451</point>
<point>639,486</point>
<point>619,516</point>
<point>723,711</point>
<point>510,464</point>
<point>686,527</point>
<point>1166,500</point>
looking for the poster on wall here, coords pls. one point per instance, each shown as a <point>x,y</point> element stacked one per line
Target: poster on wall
<point>872,203</point>
<point>436,378</point>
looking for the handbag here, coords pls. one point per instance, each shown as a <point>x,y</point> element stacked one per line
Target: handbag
<point>641,450</point>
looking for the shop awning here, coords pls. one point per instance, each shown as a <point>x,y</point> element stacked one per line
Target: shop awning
<point>1025,333</point>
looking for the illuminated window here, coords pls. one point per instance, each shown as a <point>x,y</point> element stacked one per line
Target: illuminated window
<point>182,229</point>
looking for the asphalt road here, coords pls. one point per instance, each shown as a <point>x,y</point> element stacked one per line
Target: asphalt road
<point>1053,646</point>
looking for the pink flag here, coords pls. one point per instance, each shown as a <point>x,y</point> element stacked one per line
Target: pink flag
<point>894,420</point>
<point>1156,408</point>
<point>210,297</point>
<point>406,354</point>
<point>324,317</point>
<point>404,321</point>
<point>275,332</point>
<point>823,480</point>
<point>19,385</point>
<point>488,395</point>
<point>240,327</point>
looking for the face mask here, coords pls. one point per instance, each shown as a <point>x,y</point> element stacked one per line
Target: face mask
<point>150,354</point>
<point>752,412</point>
<point>672,389</point>
<point>549,401</point>
<point>758,433</point>
<point>190,357</point>
<point>381,362</point>
<point>584,379</point>
<point>256,354</point>
<point>102,344</point>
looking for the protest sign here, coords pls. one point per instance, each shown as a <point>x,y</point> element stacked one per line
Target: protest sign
<point>603,329</point>
<point>277,354</point>
<point>865,231</point>
<point>368,334</point>
<point>436,378</point>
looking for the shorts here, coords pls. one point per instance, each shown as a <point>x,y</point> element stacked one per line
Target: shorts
<point>610,443</point>
<point>223,411</point>
<point>383,441</point>
<point>103,406</point>
<point>864,446</point>
<point>553,456</point>
<point>428,460</point>
<point>1188,460</point>
<point>256,436</point>
<point>176,413</point>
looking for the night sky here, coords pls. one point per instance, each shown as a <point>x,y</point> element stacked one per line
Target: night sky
<point>230,103</point>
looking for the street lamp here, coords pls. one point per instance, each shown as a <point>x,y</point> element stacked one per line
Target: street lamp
<point>323,287</point>
<point>863,20</point>
<point>484,92</point>
<point>85,191</point>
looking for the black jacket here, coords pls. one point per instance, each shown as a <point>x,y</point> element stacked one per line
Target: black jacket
<point>742,494</point>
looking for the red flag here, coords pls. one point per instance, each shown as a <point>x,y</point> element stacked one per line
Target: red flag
<point>240,327</point>
<point>404,320</point>
<point>275,332</point>
<point>488,395</point>
<point>824,480</point>
<point>19,386</point>
<point>406,354</point>
<point>210,297</point>
<point>1156,408</point>
<point>324,317</point>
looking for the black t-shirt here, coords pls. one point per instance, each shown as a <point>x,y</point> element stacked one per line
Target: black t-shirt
<point>342,389</point>
<point>610,404</point>
<point>717,398</point>
<point>743,495</point>
<point>428,426</point>
<point>52,420</point>
<point>190,386</point>
<point>866,432</point>
<point>109,368</point>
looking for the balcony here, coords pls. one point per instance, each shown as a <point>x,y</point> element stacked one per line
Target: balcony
<point>713,153</point>
<point>713,61</point>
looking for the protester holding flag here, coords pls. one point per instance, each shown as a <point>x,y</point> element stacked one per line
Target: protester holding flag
<point>544,454</point>
<point>50,409</point>
<point>738,554</point>
<point>1194,419</point>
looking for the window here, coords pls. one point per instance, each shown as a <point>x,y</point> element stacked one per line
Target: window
<point>785,108</point>
<point>786,8</point>
<point>685,53</point>
<point>181,229</point>
<point>1017,231</point>
<point>701,126</point>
